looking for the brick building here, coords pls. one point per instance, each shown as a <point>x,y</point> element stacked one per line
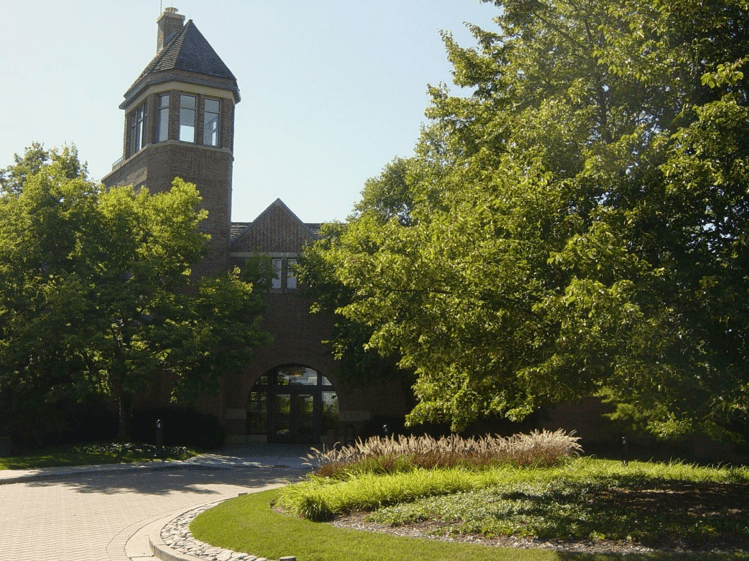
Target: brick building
<point>179,122</point>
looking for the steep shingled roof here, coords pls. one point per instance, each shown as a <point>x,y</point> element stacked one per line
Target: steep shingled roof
<point>276,229</point>
<point>237,228</point>
<point>187,51</point>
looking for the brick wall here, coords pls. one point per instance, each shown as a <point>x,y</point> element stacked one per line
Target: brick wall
<point>298,339</point>
<point>210,169</point>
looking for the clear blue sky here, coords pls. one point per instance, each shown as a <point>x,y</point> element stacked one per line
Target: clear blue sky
<point>332,90</point>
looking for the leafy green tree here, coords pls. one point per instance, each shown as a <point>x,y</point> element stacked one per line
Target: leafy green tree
<point>360,365</point>
<point>34,158</point>
<point>96,294</point>
<point>575,226</point>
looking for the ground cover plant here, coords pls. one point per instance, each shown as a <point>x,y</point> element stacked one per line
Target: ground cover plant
<point>567,499</point>
<point>660,506</point>
<point>93,454</point>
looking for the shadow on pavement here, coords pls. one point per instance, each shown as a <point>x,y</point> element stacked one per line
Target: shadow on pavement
<point>194,479</point>
<point>249,466</point>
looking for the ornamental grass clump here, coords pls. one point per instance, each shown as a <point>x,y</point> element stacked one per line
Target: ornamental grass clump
<point>397,454</point>
<point>322,498</point>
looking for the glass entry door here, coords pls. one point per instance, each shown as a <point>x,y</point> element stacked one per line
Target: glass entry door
<point>292,417</point>
<point>292,404</point>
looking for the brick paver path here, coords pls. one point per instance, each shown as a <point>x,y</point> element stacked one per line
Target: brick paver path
<point>90,517</point>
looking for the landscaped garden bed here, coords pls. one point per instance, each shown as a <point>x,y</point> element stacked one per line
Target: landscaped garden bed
<point>533,492</point>
<point>93,454</point>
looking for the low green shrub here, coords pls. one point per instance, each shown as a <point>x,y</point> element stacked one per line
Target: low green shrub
<point>183,426</point>
<point>31,423</point>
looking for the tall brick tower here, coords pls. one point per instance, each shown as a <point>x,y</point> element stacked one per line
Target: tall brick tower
<point>179,122</point>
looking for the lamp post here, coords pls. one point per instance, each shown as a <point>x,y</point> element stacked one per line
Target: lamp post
<point>159,440</point>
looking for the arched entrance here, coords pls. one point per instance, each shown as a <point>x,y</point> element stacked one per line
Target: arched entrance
<point>292,404</point>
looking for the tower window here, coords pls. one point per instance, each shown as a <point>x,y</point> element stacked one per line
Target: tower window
<point>162,121</point>
<point>137,129</point>
<point>187,110</point>
<point>211,119</point>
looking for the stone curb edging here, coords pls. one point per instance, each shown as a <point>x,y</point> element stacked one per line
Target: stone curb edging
<point>174,542</point>
<point>166,553</point>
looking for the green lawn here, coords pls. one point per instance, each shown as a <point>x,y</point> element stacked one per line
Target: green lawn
<point>248,524</point>
<point>91,454</point>
<point>588,499</point>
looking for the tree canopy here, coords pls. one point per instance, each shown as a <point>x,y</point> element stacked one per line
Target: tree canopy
<point>96,294</point>
<point>577,225</point>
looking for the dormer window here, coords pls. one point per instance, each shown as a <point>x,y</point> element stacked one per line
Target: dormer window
<point>187,112</point>
<point>137,129</point>
<point>211,120</point>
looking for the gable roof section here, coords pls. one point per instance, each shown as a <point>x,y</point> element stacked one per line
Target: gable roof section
<point>238,227</point>
<point>188,51</point>
<point>276,230</point>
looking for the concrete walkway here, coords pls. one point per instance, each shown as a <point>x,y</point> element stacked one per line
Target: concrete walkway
<point>95,513</point>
